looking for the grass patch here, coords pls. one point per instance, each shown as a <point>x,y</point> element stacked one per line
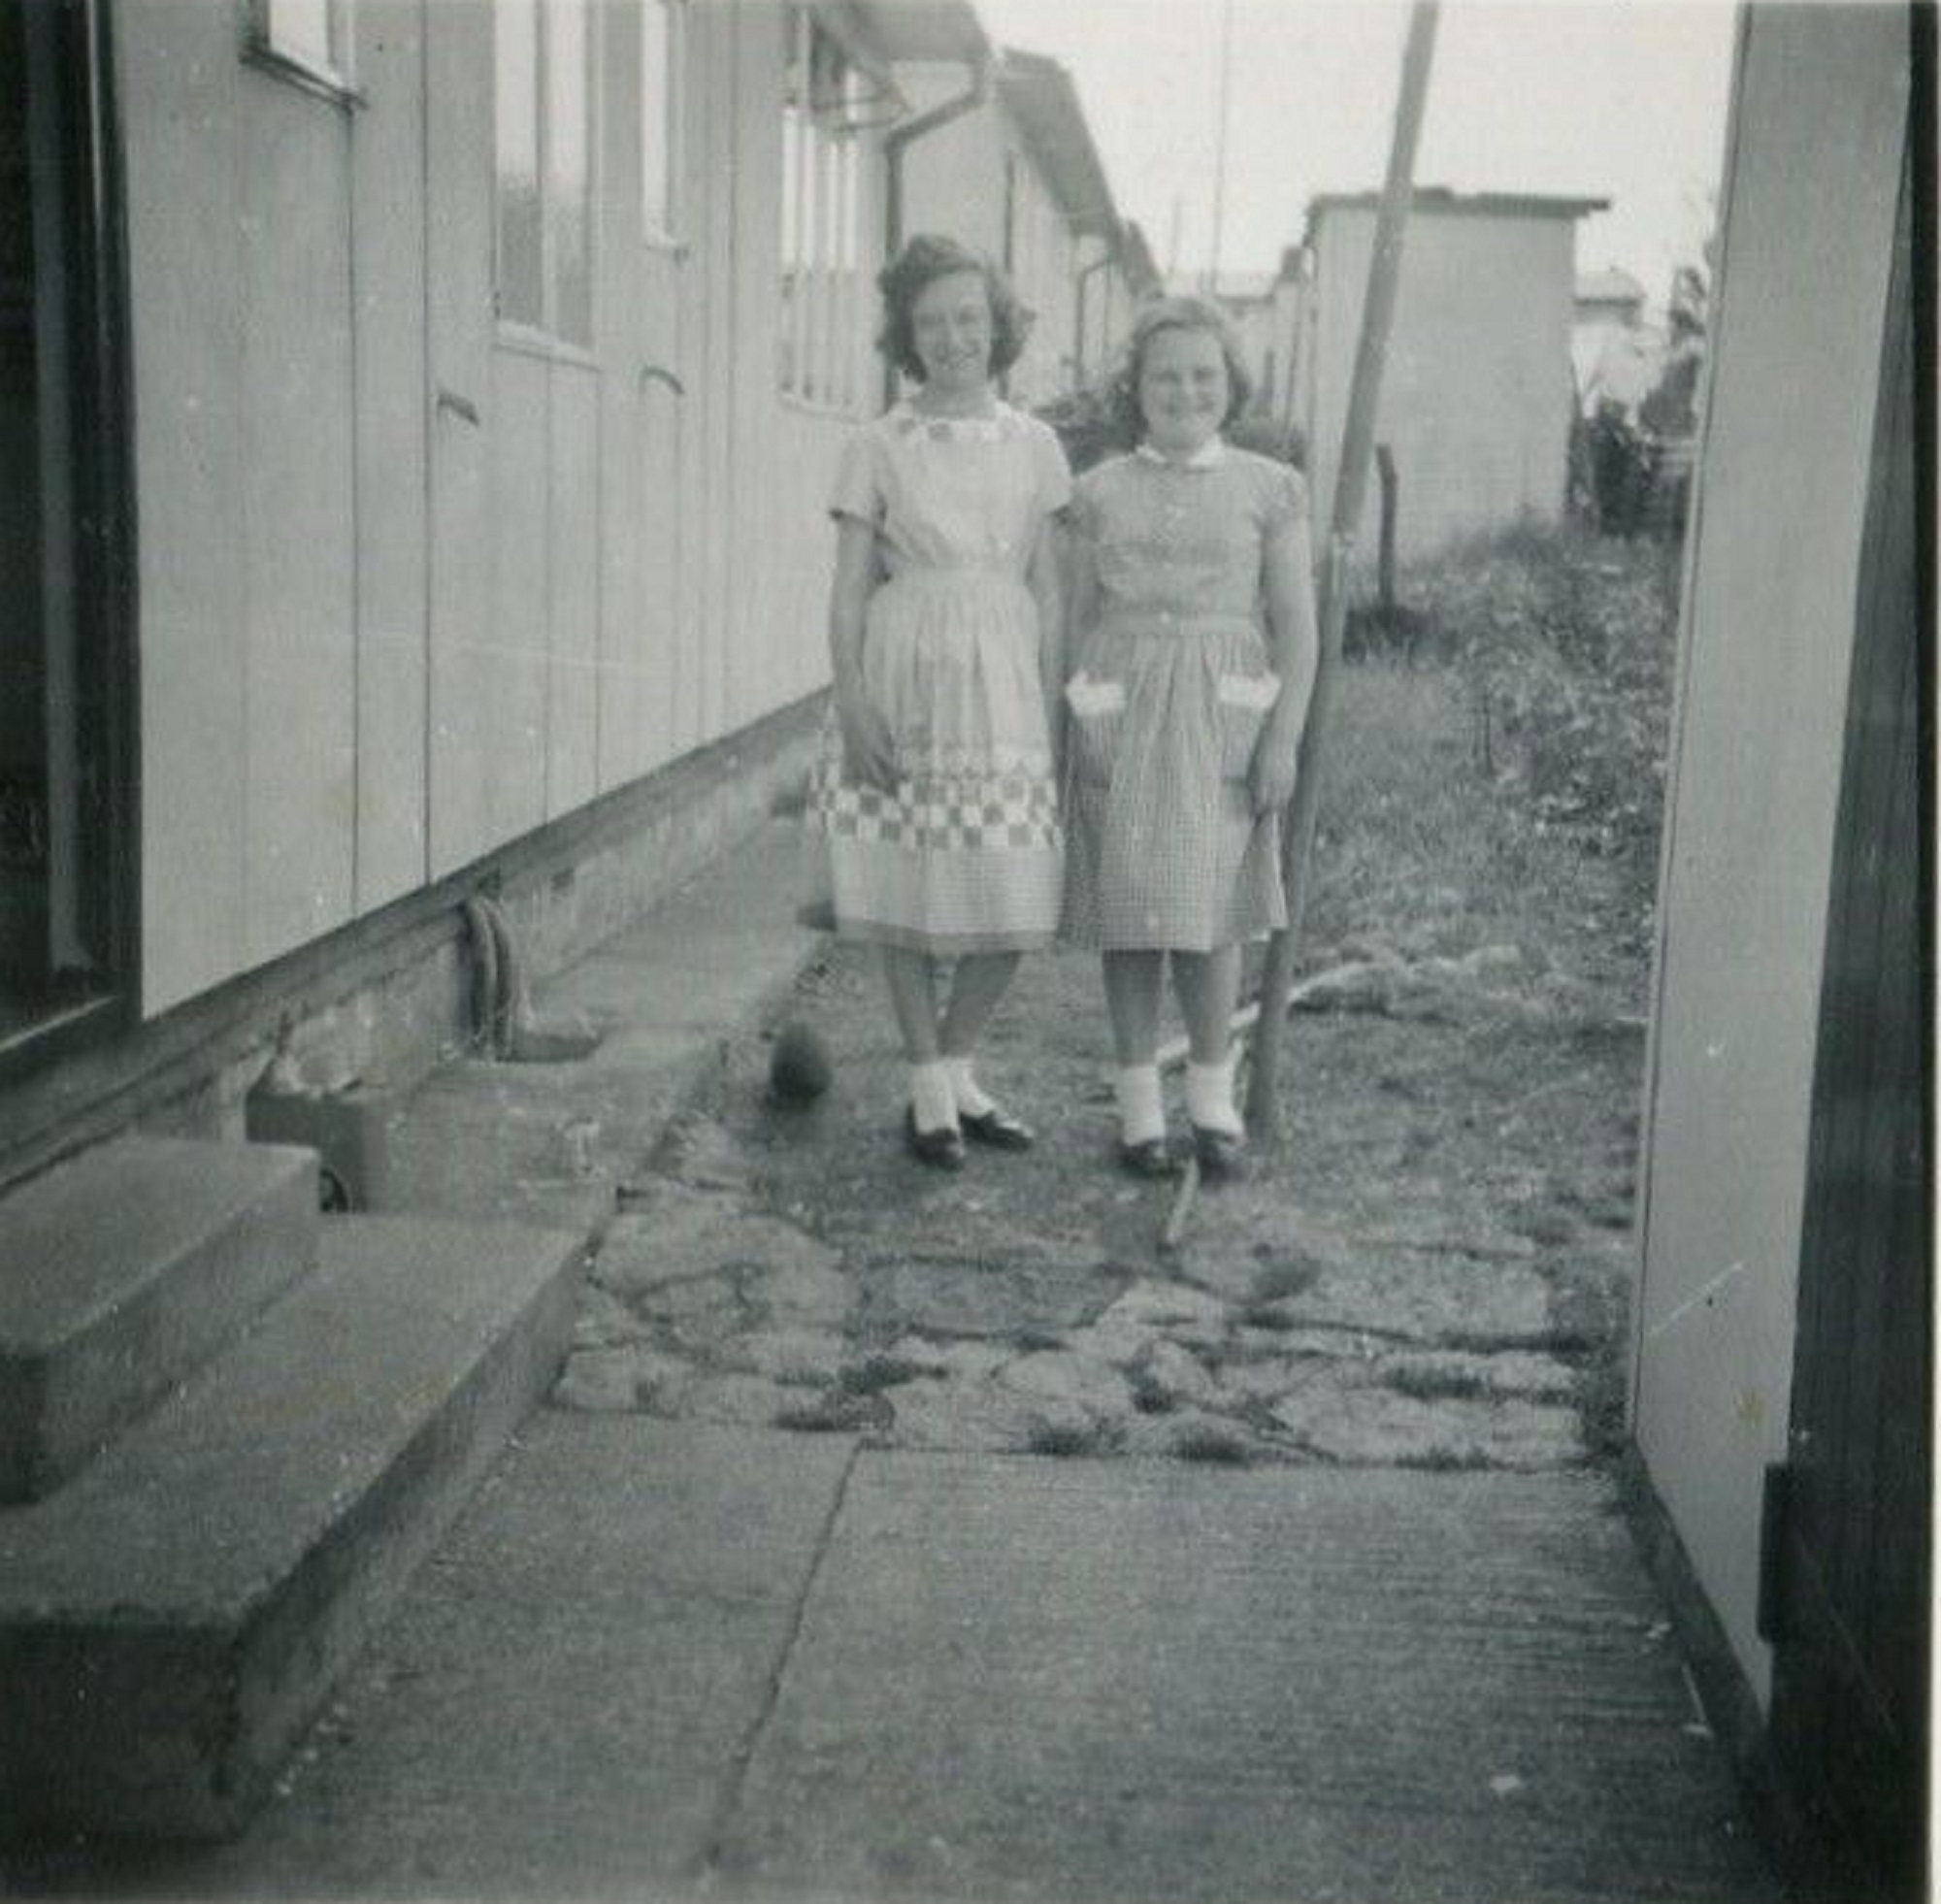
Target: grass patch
<point>875,1373</point>
<point>1214,1447</point>
<point>1437,1384</point>
<point>1457,787</point>
<point>1289,1276</point>
<point>1065,1439</point>
<point>836,1414</point>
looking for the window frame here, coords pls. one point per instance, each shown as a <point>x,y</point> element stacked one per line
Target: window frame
<point>333,78</point>
<point>541,334</point>
<point>670,231</point>
<point>821,236</point>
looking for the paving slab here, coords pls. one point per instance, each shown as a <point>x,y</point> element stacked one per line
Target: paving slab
<point>1068,1680</point>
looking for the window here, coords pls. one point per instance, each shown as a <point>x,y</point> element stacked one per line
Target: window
<point>662,30</point>
<point>308,40</point>
<point>543,73</point>
<point>822,224</point>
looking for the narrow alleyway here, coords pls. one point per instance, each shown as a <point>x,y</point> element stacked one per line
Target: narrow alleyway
<point>897,1536</point>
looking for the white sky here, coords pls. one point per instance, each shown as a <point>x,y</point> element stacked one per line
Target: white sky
<point>1618,99</point>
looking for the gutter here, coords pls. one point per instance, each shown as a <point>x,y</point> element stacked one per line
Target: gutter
<point>906,133</point>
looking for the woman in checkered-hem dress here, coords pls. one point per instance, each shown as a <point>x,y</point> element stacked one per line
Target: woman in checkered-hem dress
<point>933,814</point>
<point>1192,622</point>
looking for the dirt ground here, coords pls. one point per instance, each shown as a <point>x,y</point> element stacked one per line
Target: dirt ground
<point>1429,1269</point>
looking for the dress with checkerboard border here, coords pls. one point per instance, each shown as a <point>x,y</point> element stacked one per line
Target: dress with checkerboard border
<point>966,854</point>
<point>1170,692</point>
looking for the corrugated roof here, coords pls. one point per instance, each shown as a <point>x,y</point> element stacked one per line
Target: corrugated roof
<point>1042,100</point>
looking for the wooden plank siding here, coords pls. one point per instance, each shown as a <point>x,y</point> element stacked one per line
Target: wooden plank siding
<point>414,584</point>
<point>1847,1707</point>
<point>388,285</point>
<point>1773,565</point>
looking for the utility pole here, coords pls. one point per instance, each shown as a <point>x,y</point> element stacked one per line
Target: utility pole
<point>1220,150</point>
<point>1357,452</point>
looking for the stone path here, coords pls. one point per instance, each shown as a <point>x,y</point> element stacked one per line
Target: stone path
<point>748,1282</point>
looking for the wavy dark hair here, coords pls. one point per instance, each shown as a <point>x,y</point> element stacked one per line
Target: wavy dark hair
<point>1180,314</point>
<point>921,262</point>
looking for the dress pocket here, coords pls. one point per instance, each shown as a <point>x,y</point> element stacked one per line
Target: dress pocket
<point>1243,702</point>
<point>1097,712</point>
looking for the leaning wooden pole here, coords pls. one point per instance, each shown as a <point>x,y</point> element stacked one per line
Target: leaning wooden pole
<point>1351,481</point>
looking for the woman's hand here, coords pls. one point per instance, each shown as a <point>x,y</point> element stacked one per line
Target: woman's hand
<point>868,754</point>
<point>1276,761</point>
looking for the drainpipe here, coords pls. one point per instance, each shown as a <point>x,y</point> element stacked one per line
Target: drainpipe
<point>905,134</point>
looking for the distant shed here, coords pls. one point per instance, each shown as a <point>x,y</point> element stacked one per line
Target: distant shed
<point>1477,393</point>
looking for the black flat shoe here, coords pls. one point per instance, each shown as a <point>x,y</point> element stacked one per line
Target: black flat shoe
<point>943,1149</point>
<point>997,1129</point>
<point>1150,1160</point>
<point>1223,1157</point>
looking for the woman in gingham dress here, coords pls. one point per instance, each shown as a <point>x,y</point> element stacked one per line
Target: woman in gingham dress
<point>1193,626</point>
<point>933,807</point>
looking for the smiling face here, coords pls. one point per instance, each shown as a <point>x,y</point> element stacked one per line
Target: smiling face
<point>950,326</point>
<point>1183,389</point>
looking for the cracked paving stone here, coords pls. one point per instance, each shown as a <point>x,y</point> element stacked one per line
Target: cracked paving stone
<point>734,1401</point>
<point>978,1415</point>
<point>979,1296</point>
<point>1373,1427</point>
<point>681,1232</point>
<point>1431,1374</point>
<point>1428,1300</point>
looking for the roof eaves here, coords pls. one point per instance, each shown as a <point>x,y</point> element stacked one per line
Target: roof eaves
<point>1042,100</point>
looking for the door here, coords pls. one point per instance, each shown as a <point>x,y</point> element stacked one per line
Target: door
<point>66,811</point>
<point>1852,1561</point>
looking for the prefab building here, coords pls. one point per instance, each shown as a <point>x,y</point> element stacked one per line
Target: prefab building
<point>400,385</point>
<point>1015,176</point>
<point>1783,1393</point>
<point>1478,391</point>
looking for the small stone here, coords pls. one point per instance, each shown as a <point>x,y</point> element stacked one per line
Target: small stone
<point>1175,1376</point>
<point>598,1381</point>
<point>810,1293</point>
<point>1071,1381</point>
<point>736,1400</point>
<point>791,1356</point>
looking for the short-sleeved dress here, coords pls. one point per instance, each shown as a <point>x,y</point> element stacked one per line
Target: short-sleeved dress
<point>1171,690</point>
<point>966,853</point>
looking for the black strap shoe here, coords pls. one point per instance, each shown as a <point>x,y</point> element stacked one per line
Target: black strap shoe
<point>995,1129</point>
<point>1223,1156</point>
<point>943,1149</point>
<point>1150,1160</point>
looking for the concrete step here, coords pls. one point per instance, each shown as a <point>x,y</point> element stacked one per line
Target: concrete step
<point>123,1271</point>
<point>174,1615</point>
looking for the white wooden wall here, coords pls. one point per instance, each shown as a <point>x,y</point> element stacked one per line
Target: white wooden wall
<point>1476,393</point>
<point>1820,111</point>
<point>380,639</point>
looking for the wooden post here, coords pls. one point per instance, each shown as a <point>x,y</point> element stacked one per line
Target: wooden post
<point>1385,567</point>
<point>1356,447</point>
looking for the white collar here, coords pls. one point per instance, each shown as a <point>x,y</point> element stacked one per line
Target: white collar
<point>1209,456</point>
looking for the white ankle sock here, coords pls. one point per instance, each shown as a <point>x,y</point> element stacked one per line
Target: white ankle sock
<point>931,1100</point>
<point>1142,1115</point>
<point>971,1098</point>
<point>1209,1098</point>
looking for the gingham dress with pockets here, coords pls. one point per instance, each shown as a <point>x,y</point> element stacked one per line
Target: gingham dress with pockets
<point>964,854</point>
<point>1171,690</point>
